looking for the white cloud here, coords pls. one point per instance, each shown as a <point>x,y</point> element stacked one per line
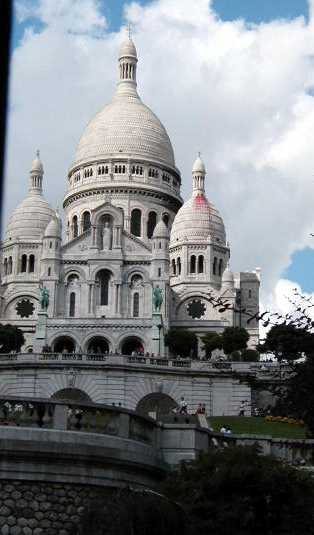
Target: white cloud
<point>239,93</point>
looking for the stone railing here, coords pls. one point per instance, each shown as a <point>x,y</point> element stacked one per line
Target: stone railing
<point>142,360</point>
<point>68,416</point>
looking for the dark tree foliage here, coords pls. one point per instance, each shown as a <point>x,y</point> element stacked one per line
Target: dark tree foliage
<point>288,342</point>
<point>132,513</point>
<point>234,339</point>
<point>181,342</point>
<point>299,393</point>
<point>11,338</point>
<point>236,491</point>
<point>211,342</point>
<point>249,355</point>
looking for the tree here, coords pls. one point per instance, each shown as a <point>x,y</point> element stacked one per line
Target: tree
<point>288,342</point>
<point>234,339</point>
<point>11,338</point>
<point>236,491</point>
<point>211,342</point>
<point>181,342</point>
<point>249,355</point>
<point>126,512</point>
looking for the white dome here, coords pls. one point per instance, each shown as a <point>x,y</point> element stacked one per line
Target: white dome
<point>30,219</point>
<point>197,220</point>
<point>227,276</point>
<point>161,230</point>
<point>125,128</point>
<point>199,166</point>
<point>127,49</point>
<point>54,228</point>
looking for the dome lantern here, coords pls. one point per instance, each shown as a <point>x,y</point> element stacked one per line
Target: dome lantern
<point>36,175</point>
<point>198,174</point>
<point>127,66</point>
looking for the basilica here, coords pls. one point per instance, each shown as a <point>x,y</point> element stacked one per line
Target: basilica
<point>126,232</point>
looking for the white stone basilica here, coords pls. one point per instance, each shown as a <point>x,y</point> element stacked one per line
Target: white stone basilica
<point>126,232</point>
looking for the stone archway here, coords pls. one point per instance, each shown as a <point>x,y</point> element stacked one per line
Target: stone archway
<point>158,403</point>
<point>131,345</point>
<point>97,344</point>
<point>71,394</point>
<point>64,344</point>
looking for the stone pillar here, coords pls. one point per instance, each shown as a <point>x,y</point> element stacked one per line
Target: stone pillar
<point>40,338</point>
<point>158,346</point>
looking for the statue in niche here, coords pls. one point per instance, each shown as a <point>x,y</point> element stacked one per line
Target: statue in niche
<point>106,236</point>
<point>44,298</point>
<point>157,299</point>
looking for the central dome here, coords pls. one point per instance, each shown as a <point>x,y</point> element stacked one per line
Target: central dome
<point>126,128</point>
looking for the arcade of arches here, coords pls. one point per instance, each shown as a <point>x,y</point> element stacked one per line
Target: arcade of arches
<point>98,344</point>
<point>71,394</point>
<point>132,345</point>
<point>156,403</point>
<point>64,344</point>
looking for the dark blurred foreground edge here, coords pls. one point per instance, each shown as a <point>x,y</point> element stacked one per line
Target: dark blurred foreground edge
<point>5,34</point>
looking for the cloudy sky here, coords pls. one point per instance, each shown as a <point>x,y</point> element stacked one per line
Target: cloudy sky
<point>233,79</point>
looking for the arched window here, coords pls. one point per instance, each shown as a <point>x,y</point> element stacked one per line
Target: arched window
<point>72,305</point>
<point>103,278</point>
<point>201,264</point>
<point>220,267</point>
<point>136,222</point>
<point>5,267</point>
<point>74,226</point>
<point>136,280</point>
<point>86,221</point>
<point>73,278</point>
<point>151,223</point>
<point>192,264</point>
<point>10,265</point>
<point>165,219</point>
<point>23,263</point>
<point>31,264</point>
<point>179,265</point>
<point>136,305</point>
<point>215,266</point>
<point>174,270</point>
<point>49,271</point>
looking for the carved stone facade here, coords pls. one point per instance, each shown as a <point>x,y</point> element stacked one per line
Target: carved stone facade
<point>126,232</point>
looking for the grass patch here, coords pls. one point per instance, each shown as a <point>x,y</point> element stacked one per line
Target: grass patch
<point>242,425</point>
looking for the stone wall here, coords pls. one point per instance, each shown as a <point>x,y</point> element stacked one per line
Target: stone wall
<point>28,508</point>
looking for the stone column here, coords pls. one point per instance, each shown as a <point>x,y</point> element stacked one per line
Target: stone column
<point>157,334</point>
<point>40,338</point>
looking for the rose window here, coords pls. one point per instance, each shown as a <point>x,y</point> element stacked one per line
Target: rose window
<point>196,309</point>
<point>25,308</point>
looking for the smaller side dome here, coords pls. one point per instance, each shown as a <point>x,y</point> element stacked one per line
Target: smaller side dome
<point>53,229</point>
<point>227,277</point>
<point>37,165</point>
<point>161,230</point>
<point>127,49</point>
<point>199,166</point>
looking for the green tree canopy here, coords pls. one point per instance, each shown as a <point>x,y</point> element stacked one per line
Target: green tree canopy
<point>181,342</point>
<point>288,342</point>
<point>234,339</point>
<point>132,513</point>
<point>211,342</point>
<point>249,355</point>
<point>11,338</point>
<point>236,491</point>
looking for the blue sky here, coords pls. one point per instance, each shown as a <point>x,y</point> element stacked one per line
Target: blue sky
<point>253,12</point>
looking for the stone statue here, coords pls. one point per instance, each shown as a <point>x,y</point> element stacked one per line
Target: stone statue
<point>106,236</point>
<point>44,298</point>
<point>157,299</point>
